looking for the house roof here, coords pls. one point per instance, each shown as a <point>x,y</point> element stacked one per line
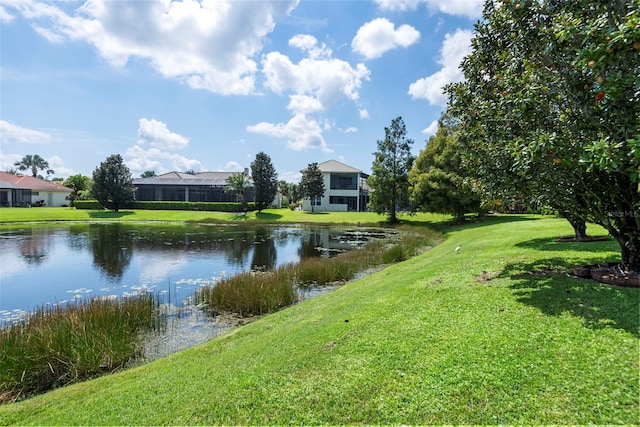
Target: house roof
<point>334,166</point>
<point>181,178</point>
<point>8,180</point>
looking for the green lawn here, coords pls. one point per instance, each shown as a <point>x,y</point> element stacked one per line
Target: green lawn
<point>497,333</point>
<point>16,215</point>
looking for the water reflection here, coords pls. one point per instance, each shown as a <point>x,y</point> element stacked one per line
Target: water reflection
<point>112,248</point>
<point>44,264</point>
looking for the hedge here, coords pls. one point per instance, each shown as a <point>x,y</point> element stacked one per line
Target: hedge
<point>176,206</point>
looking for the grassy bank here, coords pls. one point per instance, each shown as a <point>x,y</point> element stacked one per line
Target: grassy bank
<point>497,333</point>
<point>17,215</point>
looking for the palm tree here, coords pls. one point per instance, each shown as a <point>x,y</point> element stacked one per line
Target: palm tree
<point>238,184</point>
<point>35,163</point>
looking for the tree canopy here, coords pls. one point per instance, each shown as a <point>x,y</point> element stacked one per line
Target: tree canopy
<point>265,180</point>
<point>77,183</point>
<point>437,179</point>
<point>33,163</point>
<point>551,97</point>
<point>112,183</point>
<point>389,179</point>
<point>312,184</point>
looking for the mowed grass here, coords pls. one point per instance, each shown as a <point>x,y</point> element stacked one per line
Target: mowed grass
<point>497,333</point>
<point>44,214</point>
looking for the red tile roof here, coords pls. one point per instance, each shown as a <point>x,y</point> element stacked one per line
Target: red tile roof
<point>29,182</point>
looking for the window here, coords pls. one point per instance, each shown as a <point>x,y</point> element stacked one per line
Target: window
<point>316,201</point>
<point>343,182</point>
<point>35,193</point>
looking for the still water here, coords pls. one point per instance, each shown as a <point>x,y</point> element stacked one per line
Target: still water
<point>55,264</point>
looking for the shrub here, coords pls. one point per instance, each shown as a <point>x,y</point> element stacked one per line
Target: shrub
<point>87,204</point>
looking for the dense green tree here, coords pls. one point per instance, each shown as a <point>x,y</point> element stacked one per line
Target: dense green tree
<point>77,183</point>
<point>265,180</point>
<point>389,179</point>
<point>112,184</point>
<point>312,184</point>
<point>33,163</point>
<point>437,179</point>
<point>551,96</point>
<point>148,174</point>
<point>238,184</point>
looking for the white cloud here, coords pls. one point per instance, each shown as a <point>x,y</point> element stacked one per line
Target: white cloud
<point>7,161</point>
<point>315,82</point>
<point>206,44</point>
<point>301,133</point>
<point>156,134</point>
<point>5,17</point>
<point>454,48</point>
<point>364,113</point>
<point>233,166</point>
<point>467,8</point>
<point>139,160</point>
<point>431,129</point>
<point>323,78</point>
<point>376,37</point>
<point>12,133</point>
<point>309,44</point>
<point>57,164</point>
<point>304,104</point>
<point>351,130</point>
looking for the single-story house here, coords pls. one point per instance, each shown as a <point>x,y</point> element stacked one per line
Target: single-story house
<point>346,189</point>
<point>185,187</point>
<point>25,191</point>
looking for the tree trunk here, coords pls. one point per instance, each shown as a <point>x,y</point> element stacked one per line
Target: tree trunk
<point>579,227</point>
<point>630,253</point>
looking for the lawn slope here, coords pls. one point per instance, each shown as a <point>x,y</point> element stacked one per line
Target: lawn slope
<point>494,334</point>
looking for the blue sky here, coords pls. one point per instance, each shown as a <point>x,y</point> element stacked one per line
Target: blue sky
<point>207,84</point>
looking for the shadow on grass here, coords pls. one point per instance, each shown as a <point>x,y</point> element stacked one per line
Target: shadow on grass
<point>473,222</point>
<point>546,285</point>
<point>109,214</point>
<point>267,216</point>
<point>549,244</point>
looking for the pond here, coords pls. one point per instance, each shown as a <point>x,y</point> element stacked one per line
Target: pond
<point>44,264</point>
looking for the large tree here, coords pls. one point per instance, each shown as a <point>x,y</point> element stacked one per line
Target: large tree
<point>265,180</point>
<point>33,163</point>
<point>112,184</point>
<point>438,179</point>
<point>551,95</point>
<point>389,179</point>
<point>77,183</point>
<point>312,184</point>
<point>238,184</point>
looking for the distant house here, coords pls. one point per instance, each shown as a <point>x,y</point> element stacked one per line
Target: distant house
<point>185,187</point>
<point>346,189</point>
<point>25,191</point>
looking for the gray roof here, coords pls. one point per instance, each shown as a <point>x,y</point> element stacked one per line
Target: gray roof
<point>218,179</point>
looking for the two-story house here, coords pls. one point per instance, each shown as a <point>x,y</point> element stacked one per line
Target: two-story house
<point>346,189</point>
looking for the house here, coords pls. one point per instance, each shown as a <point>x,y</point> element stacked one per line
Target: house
<point>25,191</point>
<point>185,187</point>
<point>346,189</point>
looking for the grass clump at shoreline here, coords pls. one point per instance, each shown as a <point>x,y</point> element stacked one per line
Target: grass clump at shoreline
<point>260,292</point>
<point>59,345</point>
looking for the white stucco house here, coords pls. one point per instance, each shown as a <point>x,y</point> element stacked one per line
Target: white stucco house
<point>25,191</point>
<point>346,189</point>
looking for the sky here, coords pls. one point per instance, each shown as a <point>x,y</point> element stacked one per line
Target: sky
<point>205,85</point>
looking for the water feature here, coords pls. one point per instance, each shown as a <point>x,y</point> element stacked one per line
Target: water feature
<point>44,264</point>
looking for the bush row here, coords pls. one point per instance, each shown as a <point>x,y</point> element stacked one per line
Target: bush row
<point>176,206</point>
